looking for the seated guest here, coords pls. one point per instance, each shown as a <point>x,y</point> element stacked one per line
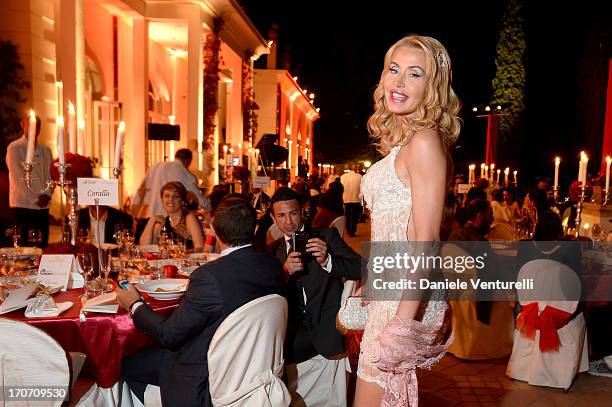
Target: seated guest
<point>110,221</point>
<point>179,222</point>
<point>330,206</point>
<point>510,204</point>
<point>313,347</point>
<point>479,217</point>
<point>500,214</point>
<point>549,243</point>
<point>259,199</point>
<point>216,289</point>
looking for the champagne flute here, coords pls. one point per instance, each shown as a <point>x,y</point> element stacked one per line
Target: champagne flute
<point>107,266</point>
<point>85,262</point>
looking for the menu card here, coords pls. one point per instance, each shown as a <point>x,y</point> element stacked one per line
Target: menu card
<point>18,298</point>
<point>59,270</point>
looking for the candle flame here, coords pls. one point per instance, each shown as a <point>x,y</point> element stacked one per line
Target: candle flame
<point>121,125</point>
<point>60,121</point>
<point>608,159</point>
<point>507,170</point>
<point>498,171</point>
<point>32,114</point>
<point>81,124</point>
<point>70,108</point>
<point>557,160</point>
<point>472,166</point>
<point>59,84</point>
<point>225,148</point>
<point>515,172</point>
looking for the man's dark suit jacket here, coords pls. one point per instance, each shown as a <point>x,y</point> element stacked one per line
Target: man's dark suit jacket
<point>115,217</point>
<point>215,290</point>
<point>311,328</point>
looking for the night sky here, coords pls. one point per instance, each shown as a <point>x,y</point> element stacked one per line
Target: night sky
<point>337,48</point>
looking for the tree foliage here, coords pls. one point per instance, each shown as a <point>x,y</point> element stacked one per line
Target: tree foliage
<point>11,85</point>
<point>509,81</point>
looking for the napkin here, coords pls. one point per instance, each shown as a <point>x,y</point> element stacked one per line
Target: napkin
<point>76,280</point>
<point>44,306</point>
<point>18,298</point>
<point>105,303</point>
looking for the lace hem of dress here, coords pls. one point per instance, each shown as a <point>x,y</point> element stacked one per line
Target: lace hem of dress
<point>381,381</point>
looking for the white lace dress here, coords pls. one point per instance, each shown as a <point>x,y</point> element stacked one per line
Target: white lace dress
<point>390,203</point>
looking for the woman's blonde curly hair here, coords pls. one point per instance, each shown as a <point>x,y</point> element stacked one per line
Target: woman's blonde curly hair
<point>438,109</point>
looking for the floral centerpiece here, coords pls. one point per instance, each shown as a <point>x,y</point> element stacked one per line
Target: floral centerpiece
<point>78,167</point>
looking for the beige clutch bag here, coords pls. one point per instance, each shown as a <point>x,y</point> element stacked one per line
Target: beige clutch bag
<point>352,315</point>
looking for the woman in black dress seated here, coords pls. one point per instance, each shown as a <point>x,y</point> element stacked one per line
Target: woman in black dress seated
<point>179,223</point>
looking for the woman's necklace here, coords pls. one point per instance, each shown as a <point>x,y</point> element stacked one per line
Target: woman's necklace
<point>174,219</point>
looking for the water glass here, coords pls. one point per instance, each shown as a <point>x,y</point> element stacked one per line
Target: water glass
<point>107,266</point>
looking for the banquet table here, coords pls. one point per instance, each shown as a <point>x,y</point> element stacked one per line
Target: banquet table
<point>104,338</point>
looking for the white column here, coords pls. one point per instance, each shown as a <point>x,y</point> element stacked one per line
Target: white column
<point>80,63</point>
<point>195,67</point>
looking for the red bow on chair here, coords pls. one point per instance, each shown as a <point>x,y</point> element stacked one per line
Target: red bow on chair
<point>548,322</point>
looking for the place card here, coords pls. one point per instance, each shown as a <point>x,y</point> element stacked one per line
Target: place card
<point>59,270</point>
<point>261,182</point>
<point>105,190</point>
<point>463,188</point>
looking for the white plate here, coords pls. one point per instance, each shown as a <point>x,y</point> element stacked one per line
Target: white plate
<point>151,286</point>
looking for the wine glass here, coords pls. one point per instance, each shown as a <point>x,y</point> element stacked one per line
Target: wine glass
<point>118,235</point>
<point>107,266</point>
<point>128,237</point>
<point>85,262</point>
<point>13,231</point>
<point>35,237</point>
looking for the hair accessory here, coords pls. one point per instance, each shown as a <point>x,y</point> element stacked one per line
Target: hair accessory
<point>442,61</point>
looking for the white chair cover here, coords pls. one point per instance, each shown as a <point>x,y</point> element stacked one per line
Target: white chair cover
<point>474,340</point>
<point>340,224</point>
<point>30,357</point>
<point>245,357</point>
<point>554,369</point>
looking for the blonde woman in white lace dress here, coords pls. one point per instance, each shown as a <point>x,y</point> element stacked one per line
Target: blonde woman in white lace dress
<point>415,122</point>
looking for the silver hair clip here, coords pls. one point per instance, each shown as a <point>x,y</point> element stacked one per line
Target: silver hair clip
<point>442,62</point>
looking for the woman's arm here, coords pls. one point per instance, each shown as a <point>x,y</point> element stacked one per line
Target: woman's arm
<point>195,231</point>
<point>150,230</point>
<point>423,163</point>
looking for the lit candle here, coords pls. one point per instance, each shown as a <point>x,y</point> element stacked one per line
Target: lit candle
<point>225,158</point>
<point>486,172</point>
<point>72,148</point>
<point>471,168</point>
<point>320,171</point>
<point>31,137</point>
<point>482,170</point>
<point>60,98</point>
<point>240,153</point>
<point>557,162</point>
<point>582,172</point>
<point>506,174</point>
<point>580,166</point>
<point>498,172</point>
<point>119,143</point>
<point>60,140</point>
<point>515,178</point>
<point>81,137</point>
<point>608,162</point>
<point>492,170</point>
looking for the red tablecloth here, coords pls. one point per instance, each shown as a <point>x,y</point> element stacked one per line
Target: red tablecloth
<point>104,338</point>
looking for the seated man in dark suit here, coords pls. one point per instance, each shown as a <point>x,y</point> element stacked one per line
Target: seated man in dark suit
<point>314,348</point>
<point>216,289</point>
<point>110,220</point>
